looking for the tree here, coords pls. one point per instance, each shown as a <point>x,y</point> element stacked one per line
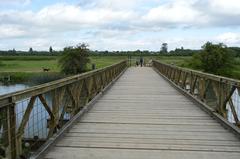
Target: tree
<point>74,59</point>
<point>214,58</point>
<point>30,50</point>
<point>50,50</point>
<point>164,48</point>
<point>14,51</point>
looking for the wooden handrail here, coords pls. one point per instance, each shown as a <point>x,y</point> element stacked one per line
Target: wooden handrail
<point>215,91</point>
<point>203,74</point>
<point>61,100</point>
<point>53,85</point>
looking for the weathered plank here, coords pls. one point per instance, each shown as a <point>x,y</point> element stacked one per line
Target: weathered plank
<point>91,153</point>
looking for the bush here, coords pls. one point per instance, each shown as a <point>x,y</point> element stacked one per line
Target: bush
<point>74,59</point>
<point>194,62</point>
<point>214,58</point>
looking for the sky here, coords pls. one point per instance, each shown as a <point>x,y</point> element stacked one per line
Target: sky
<point>118,24</point>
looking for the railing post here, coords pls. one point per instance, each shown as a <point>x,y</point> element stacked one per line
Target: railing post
<point>57,95</point>
<point>222,97</point>
<point>11,122</point>
<point>202,89</point>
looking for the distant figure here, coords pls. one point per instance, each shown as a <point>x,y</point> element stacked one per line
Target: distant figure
<point>46,69</point>
<point>141,61</point>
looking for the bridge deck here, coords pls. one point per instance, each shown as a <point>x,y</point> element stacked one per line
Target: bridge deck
<point>141,117</point>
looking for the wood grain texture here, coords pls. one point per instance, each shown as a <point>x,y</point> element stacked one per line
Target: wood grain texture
<point>143,117</point>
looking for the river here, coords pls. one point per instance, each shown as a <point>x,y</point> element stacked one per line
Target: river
<point>5,89</point>
<point>37,124</point>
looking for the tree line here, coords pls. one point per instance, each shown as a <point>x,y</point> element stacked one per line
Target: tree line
<point>163,52</point>
<point>212,58</point>
<point>176,52</point>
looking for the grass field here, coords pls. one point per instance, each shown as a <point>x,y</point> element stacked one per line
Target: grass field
<point>176,60</point>
<point>28,69</point>
<point>36,63</point>
<point>23,67</point>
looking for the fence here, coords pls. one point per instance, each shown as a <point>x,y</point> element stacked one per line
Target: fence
<point>220,93</point>
<point>30,117</point>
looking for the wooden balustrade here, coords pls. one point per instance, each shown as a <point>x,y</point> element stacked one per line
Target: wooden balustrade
<point>56,102</point>
<point>215,91</point>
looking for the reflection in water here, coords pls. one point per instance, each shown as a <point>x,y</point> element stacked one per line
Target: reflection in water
<point>5,89</point>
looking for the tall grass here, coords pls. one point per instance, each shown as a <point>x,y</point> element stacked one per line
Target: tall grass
<point>27,58</point>
<point>30,78</point>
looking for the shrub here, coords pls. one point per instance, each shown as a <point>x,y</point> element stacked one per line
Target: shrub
<point>214,58</point>
<point>74,59</point>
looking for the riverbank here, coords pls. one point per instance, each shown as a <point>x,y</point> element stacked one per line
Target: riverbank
<point>32,78</point>
<point>30,69</point>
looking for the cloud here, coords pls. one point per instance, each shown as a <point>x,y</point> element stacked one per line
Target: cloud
<point>63,17</point>
<point>117,14</point>
<point>224,7</point>
<point>221,13</point>
<point>229,38</point>
<point>11,31</point>
<point>115,24</point>
<point>179,12</point>
<point>195,13</point>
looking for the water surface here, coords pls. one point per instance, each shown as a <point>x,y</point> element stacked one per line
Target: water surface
<point>5,89</point>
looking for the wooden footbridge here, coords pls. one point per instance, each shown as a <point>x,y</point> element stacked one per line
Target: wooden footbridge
<point>118,112</point>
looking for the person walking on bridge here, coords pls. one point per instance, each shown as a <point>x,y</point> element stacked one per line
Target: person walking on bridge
<point>141,61</point>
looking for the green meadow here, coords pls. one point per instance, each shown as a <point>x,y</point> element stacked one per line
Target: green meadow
<point>21,68</point>
<point>30,68</point>
<point>33,64</point>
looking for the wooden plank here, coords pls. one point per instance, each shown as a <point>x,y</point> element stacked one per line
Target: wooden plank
<point>147,146</point>
<point>160,135</point>
<point>92,153</point>
<point>163,141</point>
<point>116,126</point>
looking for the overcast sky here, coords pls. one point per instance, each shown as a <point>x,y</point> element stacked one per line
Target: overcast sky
<point>118,24</point>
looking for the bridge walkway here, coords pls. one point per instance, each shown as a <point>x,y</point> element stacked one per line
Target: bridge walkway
<point>143,117</point>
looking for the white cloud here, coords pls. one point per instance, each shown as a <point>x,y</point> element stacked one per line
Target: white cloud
<point>229,38</point>
<point>64,14</point>
<point>227,7</point>
<point>176,13</point>
<point>10,31</point>
<point>179,12</point>
<point>64,17</point>
<point>119,24</point>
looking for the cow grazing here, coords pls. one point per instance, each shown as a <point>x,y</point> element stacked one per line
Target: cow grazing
<point>46,69</point>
